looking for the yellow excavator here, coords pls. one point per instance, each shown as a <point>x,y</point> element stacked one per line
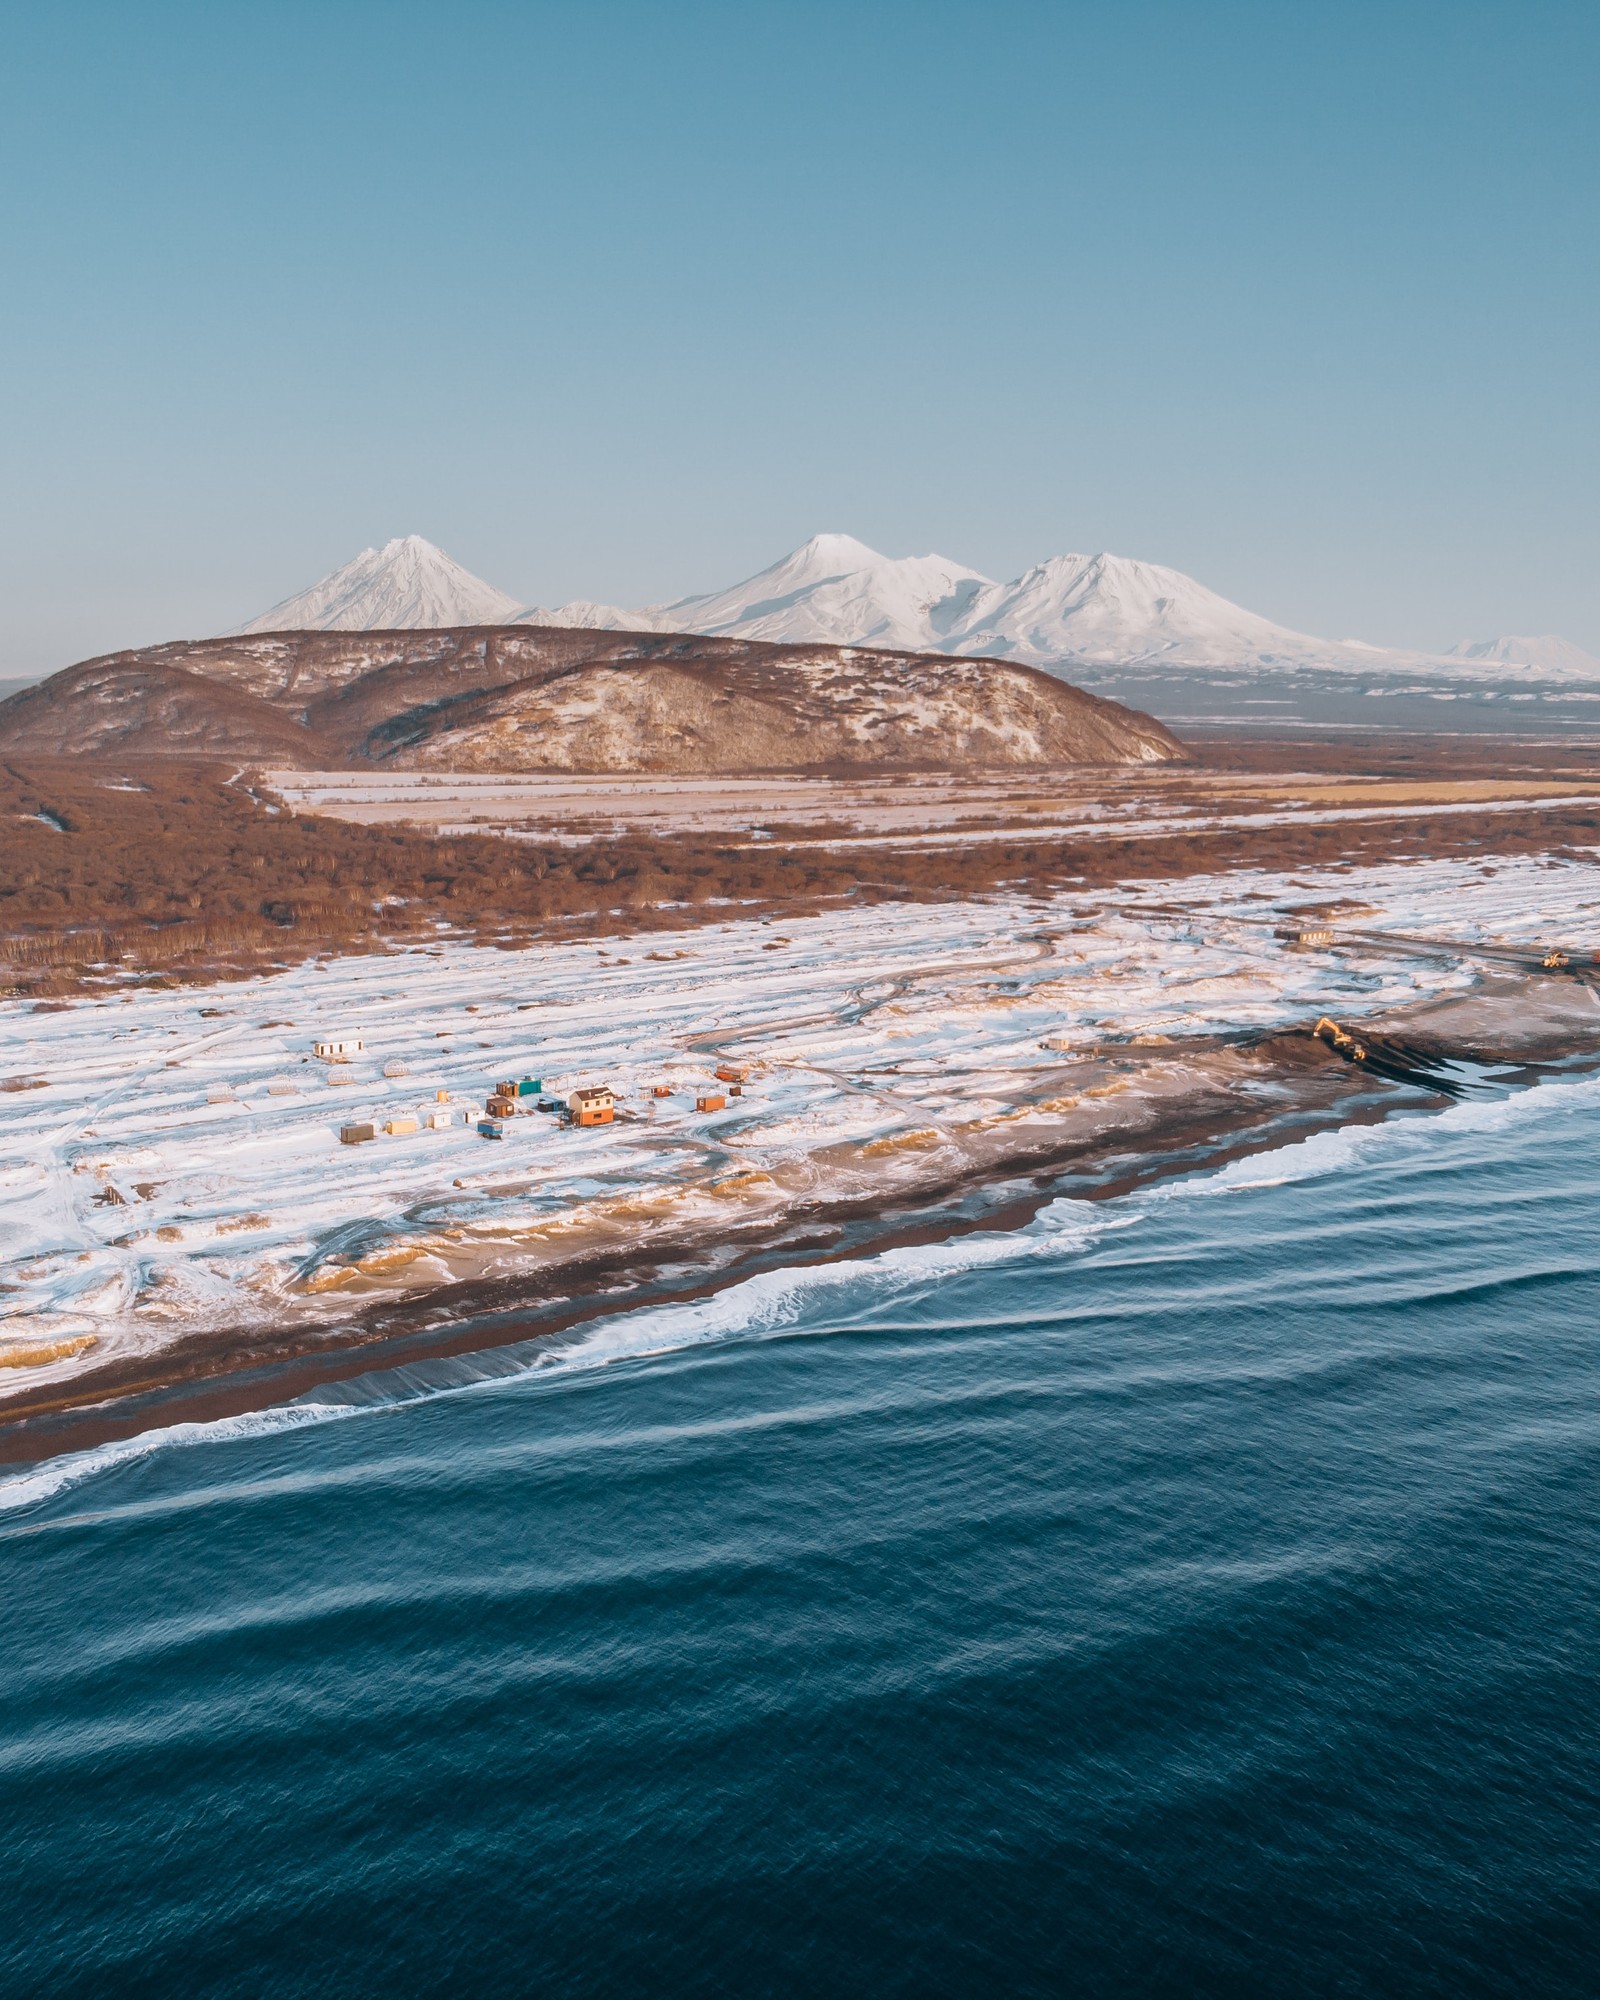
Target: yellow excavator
<point>1385,1056</point>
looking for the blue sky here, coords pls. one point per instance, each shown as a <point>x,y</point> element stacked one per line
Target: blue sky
<point>625,301</point>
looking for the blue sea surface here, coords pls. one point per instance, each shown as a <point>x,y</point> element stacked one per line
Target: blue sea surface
<point>1196,1592</point>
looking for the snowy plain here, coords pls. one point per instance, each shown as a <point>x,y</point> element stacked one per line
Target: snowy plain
<point>170,1159</point>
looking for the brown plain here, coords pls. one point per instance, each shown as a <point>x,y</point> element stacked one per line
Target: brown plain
<point>162,868</point>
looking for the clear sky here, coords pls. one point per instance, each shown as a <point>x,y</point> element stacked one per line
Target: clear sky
<point>623,300</point>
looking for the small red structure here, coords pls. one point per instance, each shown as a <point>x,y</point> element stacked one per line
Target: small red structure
<point>711,1102</point>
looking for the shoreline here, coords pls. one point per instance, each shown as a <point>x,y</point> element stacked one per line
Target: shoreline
<point>1239,1098</point>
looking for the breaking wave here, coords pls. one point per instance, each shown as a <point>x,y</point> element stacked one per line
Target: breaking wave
<point>780,1302</point>
<point>1191,1591</point>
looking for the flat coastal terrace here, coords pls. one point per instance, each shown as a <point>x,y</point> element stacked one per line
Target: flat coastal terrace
<point>183,1232</point>
<point>116,870</point>
<point>1220,791</point>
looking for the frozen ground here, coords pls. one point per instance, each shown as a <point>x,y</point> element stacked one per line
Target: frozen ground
<point>937,810</point>
<point>170,1159</point>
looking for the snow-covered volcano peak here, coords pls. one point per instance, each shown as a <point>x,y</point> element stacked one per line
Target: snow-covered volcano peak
<point>1111,609</point>
<point>407,585</point>
<point>1100,609</point>
<point>829,554</point>
<point>1094,611</point>
<point>836,590</point>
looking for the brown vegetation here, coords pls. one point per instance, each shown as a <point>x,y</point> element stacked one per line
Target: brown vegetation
<point>524,699</point>
<point>164,868</point>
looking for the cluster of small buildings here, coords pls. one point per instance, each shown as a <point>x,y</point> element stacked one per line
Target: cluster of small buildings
<point>586,1105</point>
<point>439,1116</point>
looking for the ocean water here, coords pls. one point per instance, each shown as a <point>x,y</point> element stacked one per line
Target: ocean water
<point>1195,1593</point>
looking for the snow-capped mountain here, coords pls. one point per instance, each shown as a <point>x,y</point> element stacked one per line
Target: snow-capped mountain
<point>832,590</point>
<point>588,617</point>
<point>1100,610</point>
<point>832,585</point>
<point>1550,652</point>
<point>406,585</point>
<point>1070,612</point>
<point>1106,610</point>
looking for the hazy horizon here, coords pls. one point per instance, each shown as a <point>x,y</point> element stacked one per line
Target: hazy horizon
<point>625,306</point>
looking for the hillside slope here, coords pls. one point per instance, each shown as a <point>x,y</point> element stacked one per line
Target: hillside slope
<point>518,698</point>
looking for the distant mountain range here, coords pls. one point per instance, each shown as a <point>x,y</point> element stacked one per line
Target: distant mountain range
<point>1071,612</point>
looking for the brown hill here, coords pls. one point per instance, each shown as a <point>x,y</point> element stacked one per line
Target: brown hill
<point>494,698</point>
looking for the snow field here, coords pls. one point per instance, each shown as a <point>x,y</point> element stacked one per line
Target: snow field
<point>171,1159</point>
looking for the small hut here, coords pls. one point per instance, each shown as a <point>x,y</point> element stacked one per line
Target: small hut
<point>337,1048</point>
<point>594,1104</point>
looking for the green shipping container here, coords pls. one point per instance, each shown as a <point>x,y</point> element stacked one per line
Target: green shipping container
<point>530,1086</point>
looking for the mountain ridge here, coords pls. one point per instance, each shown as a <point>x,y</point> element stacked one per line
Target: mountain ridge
<point>1068,612</point>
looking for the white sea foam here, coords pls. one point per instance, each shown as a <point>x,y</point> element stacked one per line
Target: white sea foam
<point>57,1475</point>
<point>773,1303</point>
<point>1322,1154</point>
